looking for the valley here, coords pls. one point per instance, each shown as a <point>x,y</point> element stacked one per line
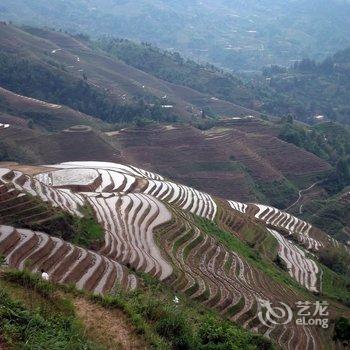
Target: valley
<point>240,36</point>
<point>168,201</point>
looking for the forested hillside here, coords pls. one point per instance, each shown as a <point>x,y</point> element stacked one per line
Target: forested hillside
<point>313,88</point>
<point>239,35</point>
<point>329,209</point>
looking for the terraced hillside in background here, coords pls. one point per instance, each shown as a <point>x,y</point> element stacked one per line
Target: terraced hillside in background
<point>227,255</point>
<point>50,82</point>
<point>102,86</point>
<point>235,35</point>
<point>242,158</point>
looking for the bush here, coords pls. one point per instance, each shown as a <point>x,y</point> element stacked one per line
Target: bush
<point>30,281</point>
<point>342,329</point>
<point>25,329</point>
<point>176,328</point>
<point>337,260</point>
<point>2,260</point>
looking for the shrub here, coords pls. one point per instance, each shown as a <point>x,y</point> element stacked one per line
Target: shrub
<point>342,329</point>
<point>2,260</point>
<point>28,330</point>
<point>30,281</point>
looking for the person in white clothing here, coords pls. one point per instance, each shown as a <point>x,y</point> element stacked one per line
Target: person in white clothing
<point>44,275</point>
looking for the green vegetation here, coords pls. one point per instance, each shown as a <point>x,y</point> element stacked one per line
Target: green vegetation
<point>186,325</point>
<point>48,322</point>
<point>151,310</point>
<point>30,281</point>
<point>312,88</point>
<point>83,231</point>
<point>335,286</point>
<point>342,329</point>
<point>88,230</point>
<point>331,215</point>
<point>12,151</point>
<point>50,81</point>
<point>172,67</point>
<point>330,141</point>
<point>253,256</point>
<point>278,192</point>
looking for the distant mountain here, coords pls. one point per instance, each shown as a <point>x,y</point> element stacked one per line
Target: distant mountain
<point>62,69</point>
<point>314,89</point>
<point>240,35</point>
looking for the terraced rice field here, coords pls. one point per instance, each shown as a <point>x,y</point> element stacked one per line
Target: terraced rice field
<point>222,279</point>
<point>63,198</point>
<point>186,198</point>
<point>304,270</point>
<point>64,262</point>
<point>149,227</point>
<point>304,233</point>
<point>241,207</point>
<point>129,221</point>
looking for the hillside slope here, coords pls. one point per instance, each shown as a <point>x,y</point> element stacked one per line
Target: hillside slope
<point>315,88</point>
<point>242,158</point>
<point>236,35</point>
<point>88,80</point>
<point>217,252</point>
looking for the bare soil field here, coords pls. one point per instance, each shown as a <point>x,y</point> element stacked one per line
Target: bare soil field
<point>108,327</point>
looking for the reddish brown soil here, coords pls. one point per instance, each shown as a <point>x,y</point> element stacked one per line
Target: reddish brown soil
<point>60,147</point>
<point>219,160</point>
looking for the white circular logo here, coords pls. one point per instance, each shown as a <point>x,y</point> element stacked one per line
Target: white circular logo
<point>271,316</point>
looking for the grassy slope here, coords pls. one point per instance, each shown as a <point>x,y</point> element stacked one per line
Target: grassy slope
<point>85,231</point>
<point>253,256</point>
<point>32,318</point>
<point>162,325</point>
<point>331,142</point>
<point>335,286</point>
<point>331,215</point>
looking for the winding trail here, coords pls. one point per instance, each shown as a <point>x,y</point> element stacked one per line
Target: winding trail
<point>301,192</point>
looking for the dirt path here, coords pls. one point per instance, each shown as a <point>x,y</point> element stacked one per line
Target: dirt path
<point>110,328</point>
<point>301,192</point>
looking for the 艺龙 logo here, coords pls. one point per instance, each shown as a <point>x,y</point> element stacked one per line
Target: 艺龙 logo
<point>307,314</point>
<point>274,315</point>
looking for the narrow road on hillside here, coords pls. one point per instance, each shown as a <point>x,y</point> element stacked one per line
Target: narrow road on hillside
<point>301,192</point>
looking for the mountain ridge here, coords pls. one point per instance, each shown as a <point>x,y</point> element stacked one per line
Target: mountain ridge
<point>222,32</point>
